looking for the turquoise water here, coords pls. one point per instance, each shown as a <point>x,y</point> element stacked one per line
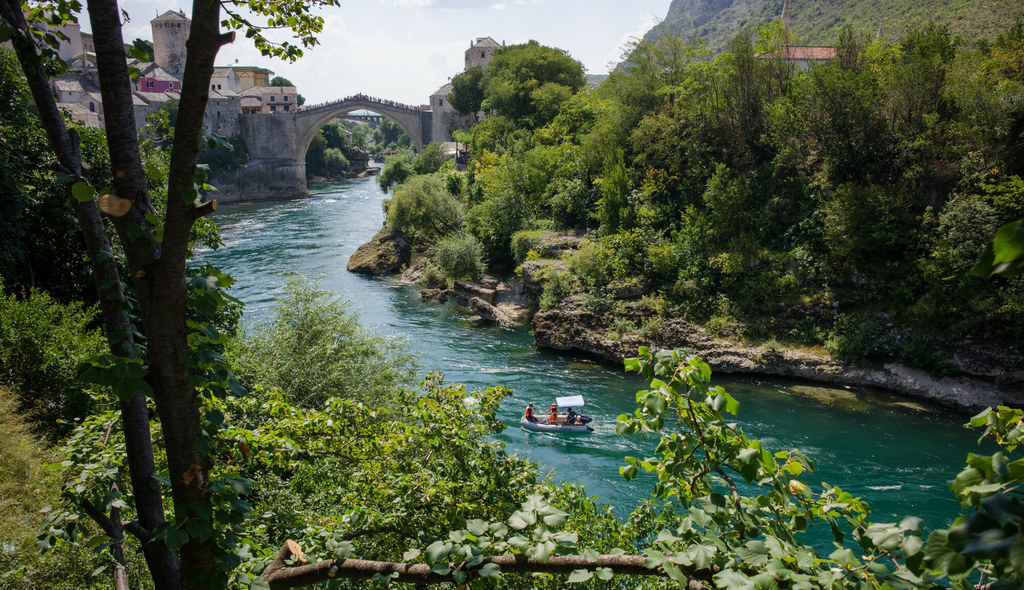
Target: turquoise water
<point>898,459</point>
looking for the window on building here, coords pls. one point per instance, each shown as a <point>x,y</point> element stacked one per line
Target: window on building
<point>149,83</point>
<point>286,98</point>
<point>481,54</point>
<point>271,99</point>
<point>273,108</point>
<point>286,108</point>
<point>92,108</point>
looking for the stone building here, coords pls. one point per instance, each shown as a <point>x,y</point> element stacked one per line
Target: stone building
<point>801,56</point>
<point>272,99</point>
<point>153,78</point>
<point>481,52</point>
<point>252,76</point>
<point>225,79</point>
<point>445,118</point>
<point>170,32</point>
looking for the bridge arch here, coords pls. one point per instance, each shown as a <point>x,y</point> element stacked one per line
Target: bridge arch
<point>410,121</point>
<point>277,144</point>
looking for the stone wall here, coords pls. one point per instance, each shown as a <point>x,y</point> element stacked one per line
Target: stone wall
<point>261,180</point>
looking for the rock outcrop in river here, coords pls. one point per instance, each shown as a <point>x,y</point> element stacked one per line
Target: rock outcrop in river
<point>385,254</point>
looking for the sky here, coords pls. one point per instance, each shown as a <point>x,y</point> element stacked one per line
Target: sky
<point>404,50</point>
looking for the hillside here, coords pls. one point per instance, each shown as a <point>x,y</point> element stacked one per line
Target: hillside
<point>818,22</point>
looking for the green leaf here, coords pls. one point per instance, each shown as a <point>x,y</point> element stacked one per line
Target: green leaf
<point>477,527</point>
<point>591,555</point>
<point>490,569</point>
<point>556,518</point>
<point>83,191</point>
<point>411,554</point>
<point>578,576</point>
<point>754,552</point>
<point>437,550</point>
<point>259,584</point>
<point>344,550</point>
<point>175,538</point>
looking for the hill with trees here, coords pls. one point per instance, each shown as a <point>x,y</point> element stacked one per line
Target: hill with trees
<point>819,22</point>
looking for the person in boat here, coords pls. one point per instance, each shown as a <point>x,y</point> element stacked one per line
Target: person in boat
<point>571,417</point>
<point>529,413</point>
<point>553,415</point>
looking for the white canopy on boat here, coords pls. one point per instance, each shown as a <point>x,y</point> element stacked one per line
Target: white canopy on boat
<point>572,401</point>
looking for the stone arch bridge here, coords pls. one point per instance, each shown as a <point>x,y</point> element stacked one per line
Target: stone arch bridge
<point>277,144</point>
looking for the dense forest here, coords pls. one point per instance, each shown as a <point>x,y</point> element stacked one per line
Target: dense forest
<point>839,207</point>
<point>190,450</point>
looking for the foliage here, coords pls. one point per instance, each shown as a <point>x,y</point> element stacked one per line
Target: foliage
<point>735,539</point>
<point>811,25</point>
<point>430,159</point>
<point>397,170</point>
<point>467,94</point>
<point>528,83</point>
<point>225,157</point>
<point>40,243</point>
<point>423,209</point>
<point>313,348</point>
<point>23,487</point>
<point>42,344</point>
<point>458,257</point>
<point>389,136</point>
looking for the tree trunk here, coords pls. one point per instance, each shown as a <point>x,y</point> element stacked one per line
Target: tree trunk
<point>162,563</point>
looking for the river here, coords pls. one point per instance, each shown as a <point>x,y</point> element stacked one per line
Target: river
<point>898,459</point>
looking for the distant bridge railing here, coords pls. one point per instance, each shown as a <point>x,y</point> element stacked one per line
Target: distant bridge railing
<point>361,98</point>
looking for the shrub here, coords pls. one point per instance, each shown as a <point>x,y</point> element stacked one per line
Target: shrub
<point>429,160</point>
<point>42,344</point>
<point>558,284</point>
<point>334,161</point>
<point>589,264</point>
<point>621,327</point>
<point>458,257</point>
<point>855,339</point>
<point>424,210</point>
<point>314,348</point>
<point>524,241</point>
<point>397,170</point>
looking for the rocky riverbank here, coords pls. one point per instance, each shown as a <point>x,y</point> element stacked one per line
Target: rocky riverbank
<point>571,326</point>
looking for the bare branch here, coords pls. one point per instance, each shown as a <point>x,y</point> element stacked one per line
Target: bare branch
<point>280,577</point>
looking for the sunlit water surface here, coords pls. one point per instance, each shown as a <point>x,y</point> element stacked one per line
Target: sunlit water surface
<point>898,459</point>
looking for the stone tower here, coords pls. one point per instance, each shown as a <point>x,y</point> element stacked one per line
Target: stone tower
<point>481,52</point>
<point>170,32</point>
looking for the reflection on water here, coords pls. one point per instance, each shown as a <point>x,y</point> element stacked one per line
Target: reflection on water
<point>896,458</point>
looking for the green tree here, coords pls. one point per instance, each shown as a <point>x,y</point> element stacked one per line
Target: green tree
<point>527,83</point>
<point>430,159</point>
<point>458,257</point>
<point>467,95</point>
<point>314,348</point>
<point>423,209</point>
<point>156,247</point>
<point>397,170</point>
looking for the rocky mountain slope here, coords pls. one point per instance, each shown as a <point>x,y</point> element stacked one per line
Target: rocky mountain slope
<point>818,22</point>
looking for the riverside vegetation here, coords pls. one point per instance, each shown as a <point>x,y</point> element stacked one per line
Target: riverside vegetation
<point>837,209</point>
<point>194,454</point>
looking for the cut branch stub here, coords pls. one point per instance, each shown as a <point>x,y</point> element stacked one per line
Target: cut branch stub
<point>114,205</point>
